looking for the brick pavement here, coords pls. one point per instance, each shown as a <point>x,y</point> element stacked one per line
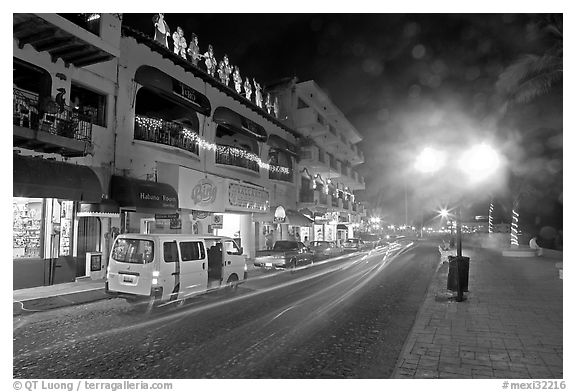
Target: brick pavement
<point>509,326</point>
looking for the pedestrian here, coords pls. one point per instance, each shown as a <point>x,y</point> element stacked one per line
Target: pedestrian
<point>534,245</point>
<point>306,242</point>
<point>269,240</point>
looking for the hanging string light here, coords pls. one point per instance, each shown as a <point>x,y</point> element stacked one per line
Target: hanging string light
<point>152,125</point>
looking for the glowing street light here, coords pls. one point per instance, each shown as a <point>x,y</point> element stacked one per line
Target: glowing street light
<point>430,160</point>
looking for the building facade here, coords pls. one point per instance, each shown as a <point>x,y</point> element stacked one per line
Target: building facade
<point>329,156</point>
<point>114,133</point>
<point>64,83</point>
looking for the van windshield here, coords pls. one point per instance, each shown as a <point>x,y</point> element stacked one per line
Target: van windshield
<point>133,251</point>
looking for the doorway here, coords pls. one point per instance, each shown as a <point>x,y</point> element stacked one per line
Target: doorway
<point>89,240</point>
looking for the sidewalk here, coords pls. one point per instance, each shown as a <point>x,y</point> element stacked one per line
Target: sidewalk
<point>509,326</point>
<point>41,298</point>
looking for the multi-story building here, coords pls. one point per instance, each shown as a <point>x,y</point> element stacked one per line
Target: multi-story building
<point>114,132</point>
<point>329,154</point>
<point>64,83</point>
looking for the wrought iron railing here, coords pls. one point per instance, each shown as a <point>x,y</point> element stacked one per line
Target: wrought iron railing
<point>169,133</point>
<point>227,155</point>
<point>50,117</point>
<point>283,174</point>
<point>90,22</point>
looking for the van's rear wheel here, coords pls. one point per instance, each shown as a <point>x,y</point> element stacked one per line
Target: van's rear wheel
<point>232,284</point>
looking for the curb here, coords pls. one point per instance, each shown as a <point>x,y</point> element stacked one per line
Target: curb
<point>30,306</point>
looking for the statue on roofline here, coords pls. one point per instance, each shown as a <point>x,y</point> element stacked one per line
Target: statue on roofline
<point>161,30</point>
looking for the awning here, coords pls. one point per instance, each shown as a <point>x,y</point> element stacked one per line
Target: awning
<point>238,123</point>
<point>130,192</point>
<point>172,89</point>
<point>279,143</point>
<point>295,218</point>
<point>105,209</point>
<point>340,226</point>
<point>292,217</point>
<point>37,177</point>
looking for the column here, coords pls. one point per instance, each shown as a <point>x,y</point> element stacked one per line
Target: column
<point>247,235</point>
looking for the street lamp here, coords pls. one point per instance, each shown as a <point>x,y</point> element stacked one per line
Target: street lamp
<point>478,163</point>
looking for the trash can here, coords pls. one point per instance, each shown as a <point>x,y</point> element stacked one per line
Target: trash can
<point>458,268</point>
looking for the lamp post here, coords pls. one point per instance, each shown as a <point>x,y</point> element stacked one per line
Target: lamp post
<point>478,163</point>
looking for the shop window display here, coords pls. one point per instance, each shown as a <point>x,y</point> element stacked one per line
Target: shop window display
<point>27,227</point>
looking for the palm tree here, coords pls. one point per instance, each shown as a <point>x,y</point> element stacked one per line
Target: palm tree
<point>533,75</point>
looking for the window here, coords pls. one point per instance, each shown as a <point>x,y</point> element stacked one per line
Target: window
<point>231,248</point>
<point>170,252</point>
<point>192,251</point>
<point>302,104</point>
<point>89,103</point>
<point>127,250</point>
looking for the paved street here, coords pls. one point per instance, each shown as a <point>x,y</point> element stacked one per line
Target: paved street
<point>342,318</point>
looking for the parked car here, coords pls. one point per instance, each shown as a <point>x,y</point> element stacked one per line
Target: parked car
<point>325,249</point>
<point>283,255</point>
<point>353,245</point>
<point>370,240</point>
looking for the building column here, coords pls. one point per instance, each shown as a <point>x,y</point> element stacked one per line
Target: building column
<point>247,235</point>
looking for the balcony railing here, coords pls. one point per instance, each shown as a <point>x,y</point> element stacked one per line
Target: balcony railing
<point>306,196</point>
<point>50,117</point>
<point>90,22</point>
<point>227,155</point>
<point>284,174</point>
<point>160,131</point>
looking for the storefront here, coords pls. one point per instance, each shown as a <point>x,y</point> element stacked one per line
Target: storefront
<point>45,223</point>
<point>211,204</point>
<point>145,206</point>
<point>282,224</point>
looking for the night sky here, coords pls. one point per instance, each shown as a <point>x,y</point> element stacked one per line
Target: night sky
<point>403,80</point>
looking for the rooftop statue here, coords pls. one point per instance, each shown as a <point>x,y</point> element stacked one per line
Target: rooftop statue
<point>268,103</point>
<point>247,88</point>
<point>210,61</point>
<point>179,42</point>
<point>257,93</point>
<point>276,107</point>
<point>194,50</point>
<point>224,70</point>
<point>161,30</point>
<point>237,79</point>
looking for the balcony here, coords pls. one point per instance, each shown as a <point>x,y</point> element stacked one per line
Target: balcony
<point>233,156</point>
<point>167,133</point>
<point>280,173</point>
<point>311,197</point>
<point>50,128</point>
<point>313,158</point>
<point>75,38</point>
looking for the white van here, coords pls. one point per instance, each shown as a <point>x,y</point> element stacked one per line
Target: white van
<point>172,267</point>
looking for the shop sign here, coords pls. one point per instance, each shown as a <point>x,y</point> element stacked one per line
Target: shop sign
<point>279,215</point>
<point>95,262</point>
<point>204,193</point>
<point>247,198</point>
<point>199,191</point>
<point>166,216</point>
<point>217,221</point>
